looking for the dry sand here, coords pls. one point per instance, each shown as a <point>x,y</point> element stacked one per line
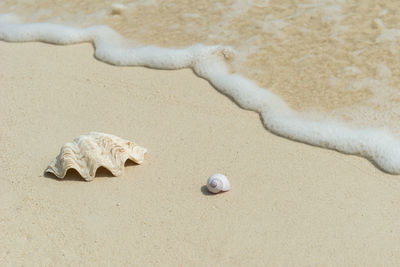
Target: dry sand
<point>290,203</point>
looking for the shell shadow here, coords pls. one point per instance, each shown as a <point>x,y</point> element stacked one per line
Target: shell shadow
<point>73,175</point>
<point>205,191</point>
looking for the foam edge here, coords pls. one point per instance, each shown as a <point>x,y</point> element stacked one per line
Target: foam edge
<point>210,63</point>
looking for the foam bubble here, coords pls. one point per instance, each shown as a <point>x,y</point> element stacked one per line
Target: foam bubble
<point>211,63</point>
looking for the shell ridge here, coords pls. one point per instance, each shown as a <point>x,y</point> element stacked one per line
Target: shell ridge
<point>87,153</point>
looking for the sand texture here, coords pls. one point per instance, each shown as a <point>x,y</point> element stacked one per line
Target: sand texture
<point>290,203</point>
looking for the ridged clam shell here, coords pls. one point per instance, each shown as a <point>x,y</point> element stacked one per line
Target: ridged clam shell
<point>86,153</point>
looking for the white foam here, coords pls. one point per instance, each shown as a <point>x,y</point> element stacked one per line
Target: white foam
<point>383,71</point>
<point>352,70</point>
<point>390,35</point>
<point>274,26</point>
<point>9,19</point>
<point>210,62</point>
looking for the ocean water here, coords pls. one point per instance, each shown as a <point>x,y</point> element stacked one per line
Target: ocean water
<point>322,72</point>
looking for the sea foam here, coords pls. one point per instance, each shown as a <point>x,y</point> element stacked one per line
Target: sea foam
<point>212,64</point>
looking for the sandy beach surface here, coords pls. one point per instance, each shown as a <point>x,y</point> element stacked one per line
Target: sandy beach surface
<point>290,203</point>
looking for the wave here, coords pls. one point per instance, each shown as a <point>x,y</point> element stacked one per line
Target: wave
<point>212,63</point>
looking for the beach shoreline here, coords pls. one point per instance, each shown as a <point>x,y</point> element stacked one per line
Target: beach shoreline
<point>290,203</point>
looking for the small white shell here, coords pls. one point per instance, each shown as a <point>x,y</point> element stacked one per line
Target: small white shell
<point>217,183</point>
<point>86,153</point>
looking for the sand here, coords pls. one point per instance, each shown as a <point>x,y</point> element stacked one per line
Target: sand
<point>290,203</point>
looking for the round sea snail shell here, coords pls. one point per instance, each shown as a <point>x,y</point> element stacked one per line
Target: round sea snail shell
<point>218,183</point>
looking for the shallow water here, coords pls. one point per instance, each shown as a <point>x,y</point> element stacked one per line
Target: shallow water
<point>335,59</point>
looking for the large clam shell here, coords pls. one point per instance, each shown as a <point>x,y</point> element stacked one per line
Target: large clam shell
<point>86,153</point>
